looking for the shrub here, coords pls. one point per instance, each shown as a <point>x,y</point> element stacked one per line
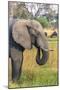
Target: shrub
<point>43,21</point>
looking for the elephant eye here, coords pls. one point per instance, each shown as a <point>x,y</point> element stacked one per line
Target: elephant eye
<point>38,34</point>
<point>28,27</point>
<point>45,34</point>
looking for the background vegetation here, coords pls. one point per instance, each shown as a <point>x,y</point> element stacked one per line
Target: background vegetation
<point>44,21</point>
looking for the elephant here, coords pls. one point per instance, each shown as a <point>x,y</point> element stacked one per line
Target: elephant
<point>23,34</point>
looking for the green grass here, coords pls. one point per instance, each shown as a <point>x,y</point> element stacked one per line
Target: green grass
<point>35,75</point>
<point>28,79</point>
<point>53,39</point>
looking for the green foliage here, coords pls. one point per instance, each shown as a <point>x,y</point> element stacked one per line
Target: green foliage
<point>44,21</point>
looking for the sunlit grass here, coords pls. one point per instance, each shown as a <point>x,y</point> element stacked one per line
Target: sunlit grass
<point>35,75</point>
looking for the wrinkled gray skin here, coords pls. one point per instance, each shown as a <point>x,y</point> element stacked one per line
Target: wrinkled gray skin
<point>22,35</point>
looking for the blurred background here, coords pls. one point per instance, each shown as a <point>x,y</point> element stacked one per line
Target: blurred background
<point>48,16</point>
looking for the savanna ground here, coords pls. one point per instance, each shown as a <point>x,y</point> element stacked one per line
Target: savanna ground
<point>35,75</point>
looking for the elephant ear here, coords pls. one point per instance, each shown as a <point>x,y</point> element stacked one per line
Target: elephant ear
<point>21,35</point>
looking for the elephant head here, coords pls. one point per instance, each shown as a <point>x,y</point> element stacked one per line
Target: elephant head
<point>30,32</point>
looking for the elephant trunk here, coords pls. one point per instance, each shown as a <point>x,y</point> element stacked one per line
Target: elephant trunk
<point>42,60</point>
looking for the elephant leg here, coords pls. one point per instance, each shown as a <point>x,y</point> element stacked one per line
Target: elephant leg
<point>41,60</point>
<point>17,59</point>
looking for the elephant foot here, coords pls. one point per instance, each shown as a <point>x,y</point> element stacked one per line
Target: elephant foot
<point>15,70</point>
<point>17,59</point>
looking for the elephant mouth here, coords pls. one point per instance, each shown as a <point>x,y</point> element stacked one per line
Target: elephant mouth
<point>42,56</point>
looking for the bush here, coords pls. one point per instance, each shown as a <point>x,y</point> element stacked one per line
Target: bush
<point>43,21</point>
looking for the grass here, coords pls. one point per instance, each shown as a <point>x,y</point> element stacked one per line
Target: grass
<point>54,39</point>
<point>35,75</point>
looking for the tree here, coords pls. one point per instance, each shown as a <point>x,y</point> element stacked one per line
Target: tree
<point>22,12</point>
